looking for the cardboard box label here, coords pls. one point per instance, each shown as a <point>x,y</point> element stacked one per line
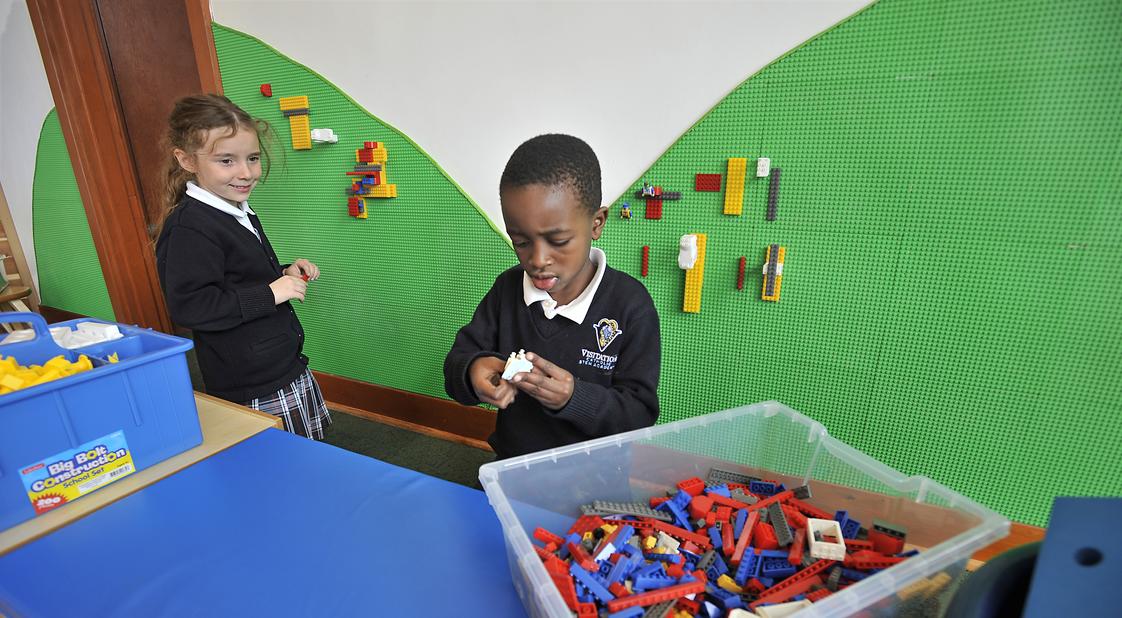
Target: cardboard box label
<point>69,475</point>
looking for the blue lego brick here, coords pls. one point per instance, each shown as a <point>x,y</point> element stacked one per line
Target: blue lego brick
<point>649,569</point>
<point>643,583</point>
<point>603,568</point>
<point>587,580</point>
<point>682,499</point>
<point>716,569</point>
<point>774,553</point>
<point>741,518</point>
<point>723,598</point>
<point>851,528</point>
<point>909,553</point>
<point>671,558</point>
<point>680,518</point>
<point>715,536</point>
<point>749,567</point>
<point>777,567</point>
<point>620,570</point>
<point>768,582</point>
<point>720,490</point>
<point>854,575</point>
<point>763,488</point>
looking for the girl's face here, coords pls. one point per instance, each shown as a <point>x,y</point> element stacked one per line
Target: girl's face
<point>227,165</point>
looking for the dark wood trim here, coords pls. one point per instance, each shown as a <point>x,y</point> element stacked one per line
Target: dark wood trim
<point>443,415</point>
<point>202,38</point>
<point>52,315</point>
<point>421,429</point>
<point>85,94</point>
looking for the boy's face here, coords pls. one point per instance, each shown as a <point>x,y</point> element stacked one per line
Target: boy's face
<point>552,234</point>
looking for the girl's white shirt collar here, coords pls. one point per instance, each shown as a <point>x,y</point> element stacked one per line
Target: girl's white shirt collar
<point>241,213</point>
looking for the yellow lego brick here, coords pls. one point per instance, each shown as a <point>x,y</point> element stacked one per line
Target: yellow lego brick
<point>301,132</point>
<point>11,382</point>
<point>734,186</point>
<point>8,364</point>
<point>691,300</point>
<point>729,584</point>
<point>778,277</point>
<point>290,103</point>
<point>382,191</point>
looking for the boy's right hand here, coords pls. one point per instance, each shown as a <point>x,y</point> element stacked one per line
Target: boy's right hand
<point>287,288</point>
<point>485,374</point>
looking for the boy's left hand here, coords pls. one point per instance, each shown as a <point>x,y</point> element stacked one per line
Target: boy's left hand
<point>548,383</point>
<point>303,267</point>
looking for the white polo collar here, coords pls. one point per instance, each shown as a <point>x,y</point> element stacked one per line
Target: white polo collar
<point>241,213</point>
<point>578,308</point>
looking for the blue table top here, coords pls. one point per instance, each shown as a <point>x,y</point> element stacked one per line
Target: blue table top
<point>274,526</point>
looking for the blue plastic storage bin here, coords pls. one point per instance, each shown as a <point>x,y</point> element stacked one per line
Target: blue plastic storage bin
<point>147,395</point>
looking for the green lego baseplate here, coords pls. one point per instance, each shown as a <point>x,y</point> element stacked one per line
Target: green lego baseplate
<point>66,261</point>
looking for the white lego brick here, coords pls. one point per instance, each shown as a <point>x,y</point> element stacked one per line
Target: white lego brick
<point>687,251</point>
<point>324,136</point>
<point>825,549</point>
<point>780,610</point>
<point>763,167</point>
<point>516,364</point>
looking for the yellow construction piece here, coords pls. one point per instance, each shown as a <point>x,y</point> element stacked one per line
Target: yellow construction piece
<point>299,124</point>
<point>381,191</point>
<point>774,296</point>
<point>691,301</point>
<point>734,186</point>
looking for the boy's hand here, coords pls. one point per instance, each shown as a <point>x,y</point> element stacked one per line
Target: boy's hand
<point>287,288</point>
<point>548,383</point>
<point>303,267</point>
<point>485,374</point>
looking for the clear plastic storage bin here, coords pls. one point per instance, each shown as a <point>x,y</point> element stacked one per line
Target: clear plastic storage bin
<point>768,440</point>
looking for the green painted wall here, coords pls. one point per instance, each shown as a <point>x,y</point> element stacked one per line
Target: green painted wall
<point>70,275</point>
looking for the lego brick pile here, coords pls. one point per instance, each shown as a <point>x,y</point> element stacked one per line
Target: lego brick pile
<point>732,545</point>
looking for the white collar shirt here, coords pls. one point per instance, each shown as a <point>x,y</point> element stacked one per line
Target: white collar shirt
<point>240,213</point>
<point>578,308</point>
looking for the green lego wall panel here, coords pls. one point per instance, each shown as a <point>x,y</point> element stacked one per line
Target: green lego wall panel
<point>70,276</point>
<point>397,285</point>
<point>949,207</point>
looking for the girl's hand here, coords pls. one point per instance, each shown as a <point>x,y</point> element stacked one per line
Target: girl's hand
<point>287,288</point>
<point>303,267</point>
<point>485,374</point>
<point>548,383</point>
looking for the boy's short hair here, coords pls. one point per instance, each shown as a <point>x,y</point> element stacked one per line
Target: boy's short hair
<point>556,159</point>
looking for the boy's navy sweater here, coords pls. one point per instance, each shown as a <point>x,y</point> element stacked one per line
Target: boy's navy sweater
<point>216,275</point>
<point>615,385</point>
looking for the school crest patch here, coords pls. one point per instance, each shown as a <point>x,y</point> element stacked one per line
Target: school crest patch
<point>606,332</point>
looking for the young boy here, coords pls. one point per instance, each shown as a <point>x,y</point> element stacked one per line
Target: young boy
<point>590,331</point>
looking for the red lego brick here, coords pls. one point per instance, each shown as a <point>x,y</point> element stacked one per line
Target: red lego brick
<point>808,510</point>
<point>692,486</point>
<point>646,259</point>
<point>884,543</point>
<point>852,545</point>
<point>655,501</point>
<point>795,557</point>
<point>689,606</point>
<point>618,589</point>
<point>740,273</point>
<point>370,145</point>
<point>700,506</point>
<point>545,536</point>
<point>707,182</point>
<point>796,584</point>
<point>654,209</point>
<point>720,500</point>
<point>585,523</point>
<point>764,537</point>
<point>587,610</point>
<point>678,533</point>
<point>581,557</point>
<point>724,513</point>
<point>726,538</point>
<point>817,595</point>
<point>676,569</point>
<point>755,586</point>
<point>745,537</point>
<point>267,90</point>
<point>865,560</point>
<point>794,517</point>
<point>656,596</point>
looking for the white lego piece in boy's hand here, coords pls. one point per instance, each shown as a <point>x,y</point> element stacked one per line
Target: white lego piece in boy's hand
<point>517,363</point>
<point>687,251</point>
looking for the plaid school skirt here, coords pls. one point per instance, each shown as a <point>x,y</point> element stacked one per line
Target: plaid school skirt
<point>300,405</point>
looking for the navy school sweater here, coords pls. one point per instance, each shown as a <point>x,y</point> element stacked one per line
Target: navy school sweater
<point>616,375</point>
<point>215,275</point>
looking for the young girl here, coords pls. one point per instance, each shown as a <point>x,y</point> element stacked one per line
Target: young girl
<point>220,275</point>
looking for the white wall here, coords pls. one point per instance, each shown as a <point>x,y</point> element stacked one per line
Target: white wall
<point>25,100</point>
<point>469,81</point>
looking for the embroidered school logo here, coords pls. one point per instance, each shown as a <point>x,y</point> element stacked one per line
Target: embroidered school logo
<point>606,332</point>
